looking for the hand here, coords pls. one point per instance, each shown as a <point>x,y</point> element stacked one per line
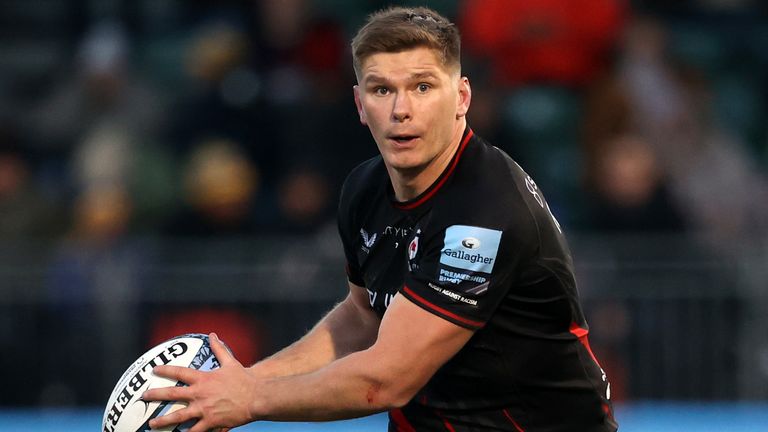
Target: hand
<point>220,398</point>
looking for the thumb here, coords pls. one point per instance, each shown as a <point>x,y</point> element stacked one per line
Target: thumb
<point>221,351</point>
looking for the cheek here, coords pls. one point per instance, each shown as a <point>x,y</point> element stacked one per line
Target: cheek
<point>371,115</point>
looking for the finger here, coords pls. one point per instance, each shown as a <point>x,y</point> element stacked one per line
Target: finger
<point>178,373</point>
<point>174,418</point>
<point>201,426</point>
<point>176,393</point>
<point>221,351</point>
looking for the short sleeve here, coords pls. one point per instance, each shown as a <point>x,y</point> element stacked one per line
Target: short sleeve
<point>344,220</point>
<point>462,272</point>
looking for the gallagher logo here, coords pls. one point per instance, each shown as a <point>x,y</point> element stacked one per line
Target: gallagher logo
<point>470,248</point>
<point>471,243</point>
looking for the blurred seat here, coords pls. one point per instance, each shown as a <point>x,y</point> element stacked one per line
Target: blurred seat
<point>546,114</point>
<point>699,45</point>
<point>161,60</point>
<point>740,108</point>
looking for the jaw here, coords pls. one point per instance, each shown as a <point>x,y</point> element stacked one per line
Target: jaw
<point>403,160</point>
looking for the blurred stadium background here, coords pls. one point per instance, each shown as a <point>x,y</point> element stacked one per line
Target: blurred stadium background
<point>172,166</point>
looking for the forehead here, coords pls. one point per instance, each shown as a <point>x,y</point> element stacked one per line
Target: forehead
<point>401,64</point>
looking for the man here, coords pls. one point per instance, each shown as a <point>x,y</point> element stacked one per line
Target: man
<point>462,312</point>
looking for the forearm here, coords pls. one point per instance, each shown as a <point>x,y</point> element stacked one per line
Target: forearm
<point>343,330</point>
<point>347,388</point>
<point>308,354</point>
<point>410,346</point>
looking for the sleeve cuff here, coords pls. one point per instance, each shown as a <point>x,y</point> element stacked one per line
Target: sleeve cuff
<point>440,311</point>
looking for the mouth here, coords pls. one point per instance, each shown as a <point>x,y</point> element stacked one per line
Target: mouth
<point>402,140</point>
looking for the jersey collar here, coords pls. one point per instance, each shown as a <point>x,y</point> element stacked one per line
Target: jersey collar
<point>439,182</point>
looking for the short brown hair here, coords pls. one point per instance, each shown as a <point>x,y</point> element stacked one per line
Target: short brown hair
<point>399,28</point>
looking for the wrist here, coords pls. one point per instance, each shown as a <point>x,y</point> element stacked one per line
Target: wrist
<point>261,370</point>
<point>256,371</point>
<point>257,407</point>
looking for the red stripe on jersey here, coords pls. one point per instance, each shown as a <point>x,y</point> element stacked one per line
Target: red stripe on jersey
<point>448,425</point>
<point>583,335</point>
<point>514,423</point>
<point>401,422</point>
<point>443,179</point>
<point>436,308</point>
<point>607,410</point>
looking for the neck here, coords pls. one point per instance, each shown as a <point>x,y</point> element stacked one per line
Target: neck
<point>412,182</point>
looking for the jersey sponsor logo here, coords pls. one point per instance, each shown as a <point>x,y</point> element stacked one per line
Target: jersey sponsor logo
<point>470,243</point>
<point>368,240</point>
<point>470,248</point>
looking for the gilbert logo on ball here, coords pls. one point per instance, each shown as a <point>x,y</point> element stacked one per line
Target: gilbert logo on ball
<point>126,412</point>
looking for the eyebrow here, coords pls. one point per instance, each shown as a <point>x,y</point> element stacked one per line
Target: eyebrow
<point>375,78</point>
<point>423,75</point>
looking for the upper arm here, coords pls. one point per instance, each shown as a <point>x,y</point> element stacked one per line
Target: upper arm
<point>412,344</point>
<point>358,298</point>
<point>353,324</point>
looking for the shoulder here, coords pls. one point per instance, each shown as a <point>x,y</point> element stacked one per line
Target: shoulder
<point>489,187</point>
<point>492,191</point>
<point>363,190</point>
<point>364,180</point>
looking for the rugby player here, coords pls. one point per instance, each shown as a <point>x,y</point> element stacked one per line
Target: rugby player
<point>462,312</point>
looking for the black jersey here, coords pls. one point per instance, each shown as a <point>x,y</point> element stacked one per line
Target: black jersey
<point>481,249</point>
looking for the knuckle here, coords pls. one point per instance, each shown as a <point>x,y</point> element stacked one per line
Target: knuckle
<point>178,393</point>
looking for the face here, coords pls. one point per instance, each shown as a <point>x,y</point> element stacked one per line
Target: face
<point>414,106</point>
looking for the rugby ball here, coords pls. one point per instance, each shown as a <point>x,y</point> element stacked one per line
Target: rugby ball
<point>126,412</point>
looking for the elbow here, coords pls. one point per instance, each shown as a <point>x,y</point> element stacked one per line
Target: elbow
<point>387,397</point>
<point>400,400</point>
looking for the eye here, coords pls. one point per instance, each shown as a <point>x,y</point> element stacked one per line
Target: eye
<point>423,87</point>
<point>381,91</point>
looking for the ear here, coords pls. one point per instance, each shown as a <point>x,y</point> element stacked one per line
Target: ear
<point>465,97</point>
<point>359,105</point>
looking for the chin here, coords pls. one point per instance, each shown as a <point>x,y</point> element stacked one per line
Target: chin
<point>406,166</point>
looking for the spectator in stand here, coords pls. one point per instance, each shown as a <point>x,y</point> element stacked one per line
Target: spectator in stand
<point>103,90</point>
<point>556,41</point>
<point>670,108</point>
<point>304,201</point>
<point>219,193</point>
<point>92,127</point>
<point>628,191</point>
<point>94,277</point>
<point>24,210</point>
<point>546,51</point>
<point>216,57</point>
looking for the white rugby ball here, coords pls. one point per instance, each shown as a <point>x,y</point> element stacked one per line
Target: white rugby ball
<point>126,412</point>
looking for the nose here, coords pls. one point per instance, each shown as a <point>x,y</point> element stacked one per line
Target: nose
<point>401,111</point>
